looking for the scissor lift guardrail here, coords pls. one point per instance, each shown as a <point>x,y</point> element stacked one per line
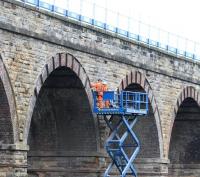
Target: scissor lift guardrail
<point>128,106</point>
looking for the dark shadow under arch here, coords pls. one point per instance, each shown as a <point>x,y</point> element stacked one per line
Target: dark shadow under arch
<point>6,132</point>
<point>60,60</point>
<point>8,115</point>
<point>62,119</point>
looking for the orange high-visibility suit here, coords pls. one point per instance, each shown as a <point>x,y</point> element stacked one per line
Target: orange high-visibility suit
<point>99,88</point>
<point>107,102</point>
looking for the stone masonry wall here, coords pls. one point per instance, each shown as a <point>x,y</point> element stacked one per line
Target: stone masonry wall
<point>13,160</point>
<point>30,37</point>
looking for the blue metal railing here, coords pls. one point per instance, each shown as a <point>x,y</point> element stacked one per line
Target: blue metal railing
<point>125,102</point>
<point>136,101</point>
<point>101,17</point>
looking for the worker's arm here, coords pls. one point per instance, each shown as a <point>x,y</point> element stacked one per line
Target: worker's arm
<point>105,88</point>
<point>93,86</point>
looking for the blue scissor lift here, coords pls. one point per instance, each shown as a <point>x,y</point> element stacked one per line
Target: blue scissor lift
<point>128,106</point>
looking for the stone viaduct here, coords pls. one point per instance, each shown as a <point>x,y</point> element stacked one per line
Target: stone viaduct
<point>47,128</point>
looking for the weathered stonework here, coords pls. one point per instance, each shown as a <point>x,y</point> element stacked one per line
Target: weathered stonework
<point>43,53</point>
<point>13,160</point>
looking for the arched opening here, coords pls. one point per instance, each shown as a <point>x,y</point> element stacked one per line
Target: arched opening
<point>62,136</point>
<point>184,148</point>
<point>146,130</point>
<point>6,127</point>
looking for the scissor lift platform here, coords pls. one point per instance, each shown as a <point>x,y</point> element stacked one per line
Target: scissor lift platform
<point>128,106</point>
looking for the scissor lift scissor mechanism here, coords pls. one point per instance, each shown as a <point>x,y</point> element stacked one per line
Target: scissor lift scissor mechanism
<point>122,145</point>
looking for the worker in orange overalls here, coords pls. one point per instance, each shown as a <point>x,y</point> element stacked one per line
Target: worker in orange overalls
<point>105,88</point>
<point>99,88</point>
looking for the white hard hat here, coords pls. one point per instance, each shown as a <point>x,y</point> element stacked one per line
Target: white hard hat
<point>104,82</point>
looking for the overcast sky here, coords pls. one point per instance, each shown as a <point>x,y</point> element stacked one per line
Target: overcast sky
<point>176,16</point>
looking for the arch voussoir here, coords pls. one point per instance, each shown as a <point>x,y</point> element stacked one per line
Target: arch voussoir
<point>69,61</point>
<point>63,59</point>
<point>59,60</point>
<point>187,92</point>
<point>133,76</point>
<point>129,78</point>
<point>138,75</point>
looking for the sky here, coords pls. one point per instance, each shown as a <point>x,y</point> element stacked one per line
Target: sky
<point>175,16</point>
<point>179,17</point>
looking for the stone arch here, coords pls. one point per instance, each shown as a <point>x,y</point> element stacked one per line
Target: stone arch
<point>9,125</point>
<point>136,77</point>
<point>184,132</point>
<point>187,92</point>
<point>59,60</point>
<point>61,128</point>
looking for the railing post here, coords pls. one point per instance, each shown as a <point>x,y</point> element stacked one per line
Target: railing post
<point>168,36</point>
<point>139,25</point>
<point>117,22</point>
<point>147,106</point>
<point>128,31</point>
<point>106,16</point>
<point>53,6</point>
<point>94,6</point>
<point>158,42</point>
<point>126,99</point>
<point>177,37</point>
<point>122,99</point>
<point>186,47</point>
<point>194,50</point>
<point>149,31</point>
<point>38,3</point>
